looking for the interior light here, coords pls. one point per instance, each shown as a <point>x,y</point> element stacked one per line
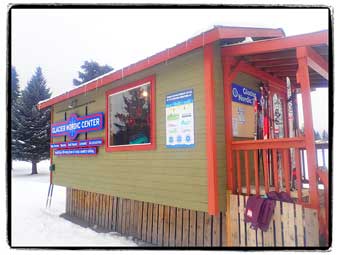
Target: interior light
<point>145,93</point>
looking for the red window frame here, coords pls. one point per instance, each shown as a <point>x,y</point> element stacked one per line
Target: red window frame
<point>148,146</point>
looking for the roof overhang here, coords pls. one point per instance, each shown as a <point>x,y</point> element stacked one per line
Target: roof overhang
<point>278,57</point>
<point>207,37</point>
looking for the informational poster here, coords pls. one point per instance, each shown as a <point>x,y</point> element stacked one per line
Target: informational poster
<point>180,119</point>
<point>235,127</point>
<point>241,115</point>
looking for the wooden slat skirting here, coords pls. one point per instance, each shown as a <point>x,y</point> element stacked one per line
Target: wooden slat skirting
<point>156,224</point>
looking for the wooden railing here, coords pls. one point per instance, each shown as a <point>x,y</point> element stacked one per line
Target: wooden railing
<point>260,166</point>
<point>320,159</point>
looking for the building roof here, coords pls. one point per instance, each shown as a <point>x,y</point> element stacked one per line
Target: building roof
<point>235,34</point>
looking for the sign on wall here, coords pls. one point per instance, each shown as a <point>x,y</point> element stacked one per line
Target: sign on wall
<point>179,110</point>
<point>81,143</point>
<point>76,152</point>
<point>244,95</point>
<point>76,125</point>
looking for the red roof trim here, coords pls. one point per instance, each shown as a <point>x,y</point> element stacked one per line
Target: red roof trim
<point>207,37</point>
<point>264,46</point>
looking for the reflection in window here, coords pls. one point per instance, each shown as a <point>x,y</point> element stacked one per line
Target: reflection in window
<point>129,116</point>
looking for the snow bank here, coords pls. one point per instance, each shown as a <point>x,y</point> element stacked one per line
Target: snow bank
<point>34,225</point>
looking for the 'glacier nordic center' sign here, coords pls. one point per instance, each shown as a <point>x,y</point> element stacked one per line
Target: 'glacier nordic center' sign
<point>76,125</point>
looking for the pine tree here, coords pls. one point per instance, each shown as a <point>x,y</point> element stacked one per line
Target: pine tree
<point>324,135</point>
<point>33,136</point>
<point>14,85</point>
<point>15,93</point>
<point>317,135</point>
<point>91,70</point>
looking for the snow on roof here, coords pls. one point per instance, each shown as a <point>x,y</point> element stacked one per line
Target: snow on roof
<point>212,29</point>
<point>78,86</point>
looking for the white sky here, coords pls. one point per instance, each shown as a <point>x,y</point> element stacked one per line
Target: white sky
<point>61,40</point>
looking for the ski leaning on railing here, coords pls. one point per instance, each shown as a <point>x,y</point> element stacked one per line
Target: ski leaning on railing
<point>293,128</point>
<point>268,120</point>
<point>278,132</point>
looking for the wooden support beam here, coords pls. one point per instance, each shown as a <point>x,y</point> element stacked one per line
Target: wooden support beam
<point>278,44</point>
<point>288,68</point>
<point>249,69</point>
<point>317,63</point>
<point>303,79</point>
<point>284,74</point>
<point>272,56</point>
<point>209,89</point>
<point>276,63</point>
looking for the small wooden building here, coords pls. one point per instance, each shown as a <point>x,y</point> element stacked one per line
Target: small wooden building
<point>159,150</point>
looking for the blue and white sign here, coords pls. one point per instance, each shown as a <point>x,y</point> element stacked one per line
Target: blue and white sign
<point>81,143</point>
<point>180,119</point>
<point>76,152</point>
<point>244,95</point>
<point>76,125</point>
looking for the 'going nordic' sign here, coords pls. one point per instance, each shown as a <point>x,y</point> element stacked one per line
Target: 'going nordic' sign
<point>74,125</point>
<point>244,95</point>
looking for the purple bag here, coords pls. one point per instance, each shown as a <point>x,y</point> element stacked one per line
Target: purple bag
<point>253,209</point>
<point>282,196</point>
<point>259,212</point>
<point>266,213</point>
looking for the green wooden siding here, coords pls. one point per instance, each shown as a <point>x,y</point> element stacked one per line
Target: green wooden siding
<point>175,177</point>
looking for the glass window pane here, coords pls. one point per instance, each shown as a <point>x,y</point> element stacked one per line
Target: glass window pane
<point>129,116</point>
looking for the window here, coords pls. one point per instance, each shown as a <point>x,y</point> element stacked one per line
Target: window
<point>130,121</point>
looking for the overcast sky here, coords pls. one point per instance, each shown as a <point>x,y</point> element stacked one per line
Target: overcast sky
<point>59,41</point>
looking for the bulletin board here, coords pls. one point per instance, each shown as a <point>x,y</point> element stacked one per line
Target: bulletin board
<point>243,120</point>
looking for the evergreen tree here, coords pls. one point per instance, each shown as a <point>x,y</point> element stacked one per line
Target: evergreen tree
<point>324,135</point>
<point>14,85</point>
<point>33,133</point>
<point>91,70</point>
<point>14,102</point>
<point>317,135</point>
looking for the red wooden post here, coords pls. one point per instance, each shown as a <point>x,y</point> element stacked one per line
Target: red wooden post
<point>298,174</point>
<point>286,169</point>
<point>275,170</point>
<point>265,170</point>
<point>256,170</point>
<point>227,64</point>
<point>303,79</point>
<point>246,162</point>
<point>238,165</point>
<point>209,89</point>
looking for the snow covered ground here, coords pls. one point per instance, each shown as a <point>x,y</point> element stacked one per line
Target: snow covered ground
<point>34,225</point>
